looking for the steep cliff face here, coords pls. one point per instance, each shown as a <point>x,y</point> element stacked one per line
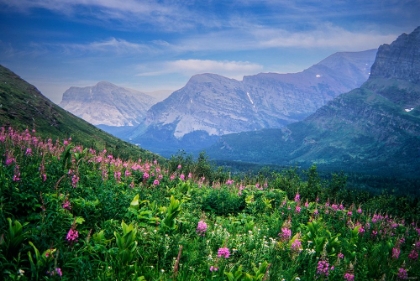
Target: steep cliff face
<point>375,126</point>
<point>107,104</point>
<point>208,102</point>
<point>400,59</point>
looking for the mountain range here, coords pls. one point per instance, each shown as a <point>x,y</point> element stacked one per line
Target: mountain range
<point>373,128</point>
<point>210,105</point>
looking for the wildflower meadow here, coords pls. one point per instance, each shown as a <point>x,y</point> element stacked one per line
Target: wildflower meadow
<point>69,212</point>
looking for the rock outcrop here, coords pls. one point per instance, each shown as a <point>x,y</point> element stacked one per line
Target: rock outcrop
<point>400,59</point>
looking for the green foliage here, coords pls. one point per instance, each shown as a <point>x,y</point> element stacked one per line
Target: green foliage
<point>97,217</point>
<point>223,201</point>
<point>168,223</point>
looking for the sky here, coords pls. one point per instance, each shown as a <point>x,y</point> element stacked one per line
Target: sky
<point>151,45</point>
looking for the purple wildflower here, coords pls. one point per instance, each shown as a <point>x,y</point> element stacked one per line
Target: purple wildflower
<point>402,273</point>
<point>213,268</point>
<point>223,252</point>
<point>349,276</point>
<point>413,255</point>
<point>323,268</point>
<point>296,245</point>
<point>395,252</point>
<point>72,235</point>
<point>286,233</point>
<point>201,228</point>
<point>66,205</point>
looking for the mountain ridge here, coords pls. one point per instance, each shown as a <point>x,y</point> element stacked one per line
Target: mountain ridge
<point>107,104</point>
<point>213,105</point>
<point>375,126</point>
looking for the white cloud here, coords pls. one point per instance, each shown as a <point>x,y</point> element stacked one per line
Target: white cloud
<point>189,67</point>
<point>114,46</point>
<point>326,35</point>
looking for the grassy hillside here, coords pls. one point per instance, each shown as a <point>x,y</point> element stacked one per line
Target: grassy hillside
<point>22,106</point>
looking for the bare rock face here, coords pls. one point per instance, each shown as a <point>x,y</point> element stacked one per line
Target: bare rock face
<point>107,104</point>
<point>400,59</point>
<point>219,105</point>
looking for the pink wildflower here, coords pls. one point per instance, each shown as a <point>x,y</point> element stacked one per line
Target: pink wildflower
<point>349,276</point>
<point>74,181</point>
<point>66,205</point>
<point>297,209</point>
<point>201,228</point>
<point>396,252</point>
<point>223,252</point>
<point>182,177</point>
<point>296,245</point>
<point>117,175</point>
<point>59,272</point>
<point>340,255</point>
<point>402,273</point>
<point>323,268</point>
<point>9,160</point>
<point>286,233</point>
<point>72,235</point>
<point>413,255</point>
<point>213,268</point>
<point>229,182</point>
<point>156,182</point>
<point>297,197</point>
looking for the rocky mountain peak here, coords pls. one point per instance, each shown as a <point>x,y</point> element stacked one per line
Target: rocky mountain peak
<point>398,60</point>
<point>107,104</point>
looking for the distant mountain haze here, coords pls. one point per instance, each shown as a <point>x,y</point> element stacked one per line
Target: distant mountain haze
<point>211,105</point>
<point>107,104</point>
<point>372,128</point>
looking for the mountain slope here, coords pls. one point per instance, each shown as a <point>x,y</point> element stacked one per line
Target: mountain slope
<point>211,105</point>
<point>375,127</point>
<point>107,104</point>
<point>23,106</point>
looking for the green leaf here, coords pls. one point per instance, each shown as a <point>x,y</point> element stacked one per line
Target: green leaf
<point>79,220</point>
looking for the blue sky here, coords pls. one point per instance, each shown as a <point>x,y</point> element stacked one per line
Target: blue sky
<point>153,45</point>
